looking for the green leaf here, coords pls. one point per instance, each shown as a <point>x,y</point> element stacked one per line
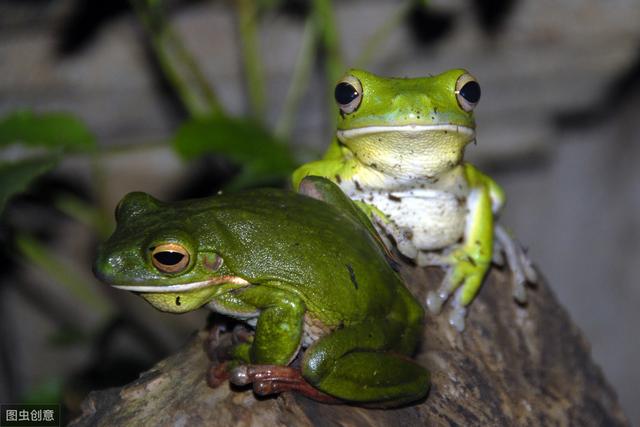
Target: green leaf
<point>16,176</point>
<point>261,155</point>
<point>50,130</point>
<point>46,392</point>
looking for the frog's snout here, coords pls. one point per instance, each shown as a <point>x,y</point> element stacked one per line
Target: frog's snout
<point>103,267</point>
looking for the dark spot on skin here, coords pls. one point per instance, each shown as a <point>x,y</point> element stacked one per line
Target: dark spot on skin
<point>471,261</point>
<point>435,109</point>
<point>178,301</point>
<point>352,276</point>
<point>374,166</point>
<point>338,179</point>
<point>358,186</point>
<point>461,201</point>
<point>394,198</point>
<point>445,132</point>
<point>408,234</point>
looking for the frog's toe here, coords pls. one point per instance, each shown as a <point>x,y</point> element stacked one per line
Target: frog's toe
<point>459,308</point>
<point>435,301</point>
<point>519,292</point>
<point>516,256</point>
<point>240,375</point>
<point>498,254</point>
<point>274,379</point>
<point>457,316</point>
<point>217,374</point>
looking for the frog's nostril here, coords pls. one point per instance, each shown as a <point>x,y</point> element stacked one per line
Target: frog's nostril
<point>103,267</point>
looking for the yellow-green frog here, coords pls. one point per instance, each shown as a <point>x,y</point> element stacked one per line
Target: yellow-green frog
<point>307,272</point>
<point>398,153</point>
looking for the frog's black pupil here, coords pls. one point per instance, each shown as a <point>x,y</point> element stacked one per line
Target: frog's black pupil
<point>345,93</point>
<point>471,92</point>
<point>168,257</point>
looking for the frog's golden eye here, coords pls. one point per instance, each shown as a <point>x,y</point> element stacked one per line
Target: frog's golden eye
<point>170,258</point>
<point>348,94</point>
<point>467,92</point>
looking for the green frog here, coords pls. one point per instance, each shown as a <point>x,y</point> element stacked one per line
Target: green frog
<point>398,153</point>
<point>306,270</point>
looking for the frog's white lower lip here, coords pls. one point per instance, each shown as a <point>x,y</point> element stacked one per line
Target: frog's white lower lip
<point>351,133</point>
<point>185,286</point>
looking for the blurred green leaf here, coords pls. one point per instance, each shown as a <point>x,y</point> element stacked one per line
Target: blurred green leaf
<point>85,213</point>
<point>16,176</point>
<point>67,336</point>
<point>58,269</point>
<point>47,392</point>
<point>261,155</point>
<point>51,130</point>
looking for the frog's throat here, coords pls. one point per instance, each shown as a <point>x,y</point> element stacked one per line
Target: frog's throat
<point>347,134</point>
<point>185,286</point>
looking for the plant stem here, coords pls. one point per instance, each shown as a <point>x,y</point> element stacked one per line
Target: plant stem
<point>329,40</point>
<point>373,43</point>
<point>176,62</point>
<point>247,27</point>
<point>85,213</point>
<point>301,73</point>
<point>40,256</point>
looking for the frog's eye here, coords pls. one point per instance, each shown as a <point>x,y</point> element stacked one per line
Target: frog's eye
<point>467,92</point>
<point>170,258</point>
<point>348,94</point>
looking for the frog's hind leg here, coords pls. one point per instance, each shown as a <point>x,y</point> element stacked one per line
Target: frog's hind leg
<point>359,364</point>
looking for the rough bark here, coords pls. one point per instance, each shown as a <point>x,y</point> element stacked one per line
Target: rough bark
<point>513,365</point>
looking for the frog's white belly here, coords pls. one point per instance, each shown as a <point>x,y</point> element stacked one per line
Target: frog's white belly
<point>419,219</point>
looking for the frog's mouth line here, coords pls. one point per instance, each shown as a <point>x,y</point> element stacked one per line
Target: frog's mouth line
<point>186,286</point>
<point>355,132</point>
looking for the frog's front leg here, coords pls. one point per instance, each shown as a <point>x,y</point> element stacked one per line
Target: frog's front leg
<point>468,263</point>
<point>263,361</point>
<point>278,330</point>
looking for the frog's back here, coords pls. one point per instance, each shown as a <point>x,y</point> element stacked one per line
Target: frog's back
<point>326,256</point>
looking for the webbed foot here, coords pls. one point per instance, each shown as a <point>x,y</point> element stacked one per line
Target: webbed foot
<point>464,277</point>
<point>273,379</point>
<point>223,349</point>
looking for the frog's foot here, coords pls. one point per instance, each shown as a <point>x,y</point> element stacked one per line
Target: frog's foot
<point>463,277</point>
<point>518,262</point>
<point>217,374</point>
<point>273,379</point>
<point>221,347</point>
